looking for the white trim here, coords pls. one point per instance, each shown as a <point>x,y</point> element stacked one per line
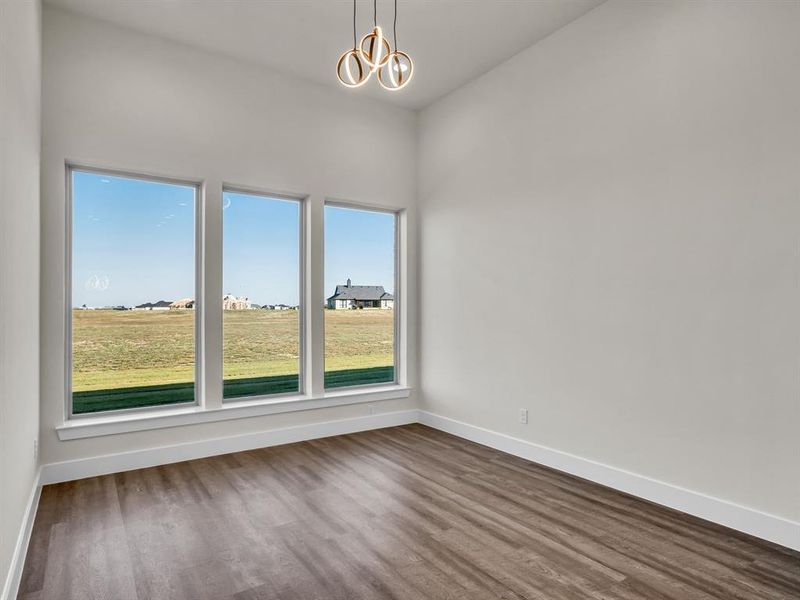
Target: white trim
<point>14,577</point>
<point>399,330</point>
<point>198,226</point>
<point>158,419</point>
<point>301,200</point>
<point>151,457</point>
<point>748,520</point>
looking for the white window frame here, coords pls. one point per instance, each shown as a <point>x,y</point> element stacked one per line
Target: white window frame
<point>207,407</point>
<point>302,202</point>
<point>72,168</point>
<point>399,251</point>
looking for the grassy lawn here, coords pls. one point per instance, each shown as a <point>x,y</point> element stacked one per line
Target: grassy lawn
<point>123,359</point>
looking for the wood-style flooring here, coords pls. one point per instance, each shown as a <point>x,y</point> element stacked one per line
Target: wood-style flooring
<point>408,512</point>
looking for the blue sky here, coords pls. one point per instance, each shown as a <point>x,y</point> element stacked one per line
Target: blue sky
<point>261,248</point>
<point>359,245</point>
<point>133,242</point>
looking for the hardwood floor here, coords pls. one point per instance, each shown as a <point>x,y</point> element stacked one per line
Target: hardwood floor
<point>407,512</point>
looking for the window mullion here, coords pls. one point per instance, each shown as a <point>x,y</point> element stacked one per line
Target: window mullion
<point>210,294</point>
<point>314,293</point>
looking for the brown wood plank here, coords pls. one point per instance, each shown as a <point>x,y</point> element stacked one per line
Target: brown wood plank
<point>406,513</point>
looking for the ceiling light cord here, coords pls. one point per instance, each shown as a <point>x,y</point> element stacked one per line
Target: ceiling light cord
<point>355,43</point>
<point>394,27</point>
<point>374,13</point>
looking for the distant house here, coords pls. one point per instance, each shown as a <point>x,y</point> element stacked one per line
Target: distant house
<point>360,296</point>
<point>182,304</point>
<point>160,305</point>
<point>231,302</point>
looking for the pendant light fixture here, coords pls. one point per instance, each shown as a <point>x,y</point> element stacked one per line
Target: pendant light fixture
<point>373,54</point>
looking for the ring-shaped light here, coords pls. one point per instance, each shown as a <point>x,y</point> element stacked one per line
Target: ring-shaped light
<point>397,72</point>
<point>348,78</point>
<point>372,44</point>
<point>374,54</point>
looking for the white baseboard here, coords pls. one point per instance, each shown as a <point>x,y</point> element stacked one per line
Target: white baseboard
<point>21,548</point>
<point>769,527</point>
<point>151,457</point>
<point>762,525</point>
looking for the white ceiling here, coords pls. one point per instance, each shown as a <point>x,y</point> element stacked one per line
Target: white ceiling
<point>451,41</point>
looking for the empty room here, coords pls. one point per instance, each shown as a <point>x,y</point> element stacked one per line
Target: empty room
<point>399,299</point>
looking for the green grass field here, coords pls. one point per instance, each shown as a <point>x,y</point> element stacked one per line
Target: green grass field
<point>126,359</point>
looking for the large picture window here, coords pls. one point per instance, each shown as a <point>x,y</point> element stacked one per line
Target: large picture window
<point>261,306</point>
<point>360,260</point>
<point>143,253</point>
<point>133,293</point>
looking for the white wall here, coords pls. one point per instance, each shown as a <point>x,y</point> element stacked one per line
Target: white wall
<point>121,99</point>
<point>20,81</point>
<point>629,185</point>
<point>626,194</point>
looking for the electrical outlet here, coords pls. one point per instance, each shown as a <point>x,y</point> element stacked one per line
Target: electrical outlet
<point>36,449</point>
<point>523,415</point>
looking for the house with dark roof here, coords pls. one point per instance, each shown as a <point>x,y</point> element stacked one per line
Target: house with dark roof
<point>360,296</point>
<point>160,305</point>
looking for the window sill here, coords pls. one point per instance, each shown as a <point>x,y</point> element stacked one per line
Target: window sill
<point>87,427</point>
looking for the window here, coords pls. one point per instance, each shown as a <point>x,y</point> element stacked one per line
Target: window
<point>360,284</point>
<point>133,295</point>
<point>261,306</point>
<point>141,333</point>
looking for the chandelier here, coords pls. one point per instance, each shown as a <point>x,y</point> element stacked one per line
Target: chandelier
<point>373,54</point>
